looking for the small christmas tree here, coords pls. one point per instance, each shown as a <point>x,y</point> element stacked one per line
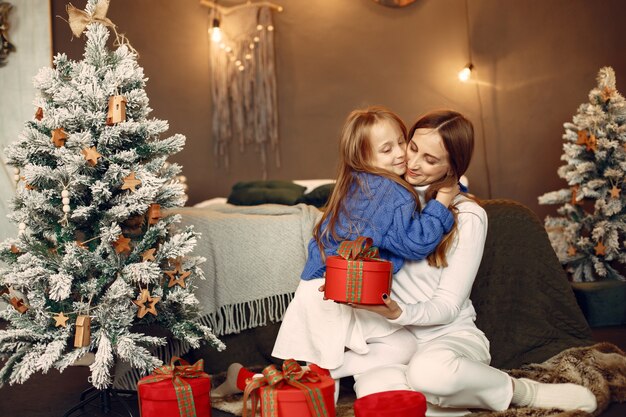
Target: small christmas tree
<point>96,253</point>
<point>589,235</point>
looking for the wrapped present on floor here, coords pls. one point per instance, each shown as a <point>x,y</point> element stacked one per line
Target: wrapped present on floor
<point>175,391</point>
<point>290,392</point>
<point>357,275</point>
<point>400,403</point>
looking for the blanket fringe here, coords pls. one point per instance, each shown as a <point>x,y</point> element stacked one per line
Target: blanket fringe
<point>228,319</point>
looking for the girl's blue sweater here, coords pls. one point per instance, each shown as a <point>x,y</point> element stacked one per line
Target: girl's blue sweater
<point>382,209</point>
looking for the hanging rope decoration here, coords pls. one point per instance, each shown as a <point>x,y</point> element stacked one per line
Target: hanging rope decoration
<point>243,81</point>
<point>6,47</point>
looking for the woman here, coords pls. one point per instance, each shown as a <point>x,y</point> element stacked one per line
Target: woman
<point>451,363</point>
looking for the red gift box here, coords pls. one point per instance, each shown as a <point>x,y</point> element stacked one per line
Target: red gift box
<point>175,391</point>
<point>398,403</point>
<point>291,392</point>
<point>357,275</point>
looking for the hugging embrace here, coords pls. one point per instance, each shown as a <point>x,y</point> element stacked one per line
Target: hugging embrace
<point>401,189</point>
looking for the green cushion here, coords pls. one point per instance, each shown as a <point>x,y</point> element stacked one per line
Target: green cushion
<point>318,196</point>
<point>265,192</point>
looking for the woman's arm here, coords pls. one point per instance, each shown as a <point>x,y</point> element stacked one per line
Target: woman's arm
<point>456,279</point>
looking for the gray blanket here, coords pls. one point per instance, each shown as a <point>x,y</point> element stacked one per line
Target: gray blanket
<point>255,255</point>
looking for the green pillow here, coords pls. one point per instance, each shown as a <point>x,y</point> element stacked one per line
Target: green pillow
<point>252,193</point>
<point>319,196</point>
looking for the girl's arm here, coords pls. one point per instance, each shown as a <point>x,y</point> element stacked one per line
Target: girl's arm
<point>414,235</point>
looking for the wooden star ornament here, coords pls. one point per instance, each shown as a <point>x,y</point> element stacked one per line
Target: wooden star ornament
<point>61,320</point>
<point>606,93</point>
<point>146,304</point>
<point>582,137</point>
<point>600,249</point>
<point>15,250</point>
<point>571,251</point>
<point>91,155</point>
<point>39,113</point>
<point>148,255</point>
<point>177,276</point>
<point>122,244</point>
<point>130,182</point>
<point>59,136</point>
<point>615,191</point>
<point>592,143</point>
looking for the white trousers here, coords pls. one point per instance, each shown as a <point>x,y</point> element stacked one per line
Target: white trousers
<point>453,373</point>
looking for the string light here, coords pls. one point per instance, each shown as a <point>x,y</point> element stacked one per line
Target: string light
<point>215,31</point>
<point>466,73</point>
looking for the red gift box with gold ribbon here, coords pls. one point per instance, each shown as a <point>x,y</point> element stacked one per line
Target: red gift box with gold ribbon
<point>290,391</point>
<point>358,275</point>
<point>175,391</point>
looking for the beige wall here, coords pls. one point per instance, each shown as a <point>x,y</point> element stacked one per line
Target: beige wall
<point>536,61</point>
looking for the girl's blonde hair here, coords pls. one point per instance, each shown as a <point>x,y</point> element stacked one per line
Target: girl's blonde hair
<point>457,133</point>
<point>355,155</point>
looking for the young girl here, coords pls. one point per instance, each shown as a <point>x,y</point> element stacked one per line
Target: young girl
<point>369,199</point>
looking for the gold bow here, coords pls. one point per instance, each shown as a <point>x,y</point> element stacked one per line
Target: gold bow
<point>79,19</point>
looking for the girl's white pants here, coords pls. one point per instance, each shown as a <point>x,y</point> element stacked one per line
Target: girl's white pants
<point>453,373</point>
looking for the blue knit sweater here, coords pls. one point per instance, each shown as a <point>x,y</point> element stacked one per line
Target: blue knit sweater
<point>382,209</point>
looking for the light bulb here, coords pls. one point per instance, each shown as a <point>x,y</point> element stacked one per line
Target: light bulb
<point>466,73</point>
<point>215,31</point>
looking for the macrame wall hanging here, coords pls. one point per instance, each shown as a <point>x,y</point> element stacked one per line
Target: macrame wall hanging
<point>243,80</point>
<point>6,47</point>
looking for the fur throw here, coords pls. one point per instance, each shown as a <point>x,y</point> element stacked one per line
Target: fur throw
<point>601,368</point>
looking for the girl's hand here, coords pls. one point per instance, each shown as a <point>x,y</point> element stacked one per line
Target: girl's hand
<point>446,194</point>
<point>390,309</point>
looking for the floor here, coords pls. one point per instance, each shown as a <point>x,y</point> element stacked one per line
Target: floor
<point>54,394</point>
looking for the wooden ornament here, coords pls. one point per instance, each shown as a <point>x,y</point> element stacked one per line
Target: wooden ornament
<point>61,320</point>
<point>91,155</point>
<point>39,113</point>
<point>117,110</point>
<point>83,331</point>
<point>573,201</point>
<point>81,244</point>
<point>59,136</point>
<point>154,214</point>
<point>130,182</point>
<point>592,143</point>
<point>146,304</point>
<point>582,137</point>
<point>122,244</point>
<point>15,250</point>
<point>615,191</point>
<point>600,249</point>
<point>27,185</point>
<point>148,255</point>
<point>19,305</point>
<point>606,93</point>
<point>177,275</point>
<point>571,251</point>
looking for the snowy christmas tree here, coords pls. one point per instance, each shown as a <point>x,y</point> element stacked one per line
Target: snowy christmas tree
<point>96,253</point>
<point>589,236</point>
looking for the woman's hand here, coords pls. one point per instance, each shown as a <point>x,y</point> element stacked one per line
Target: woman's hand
<point>390,309</point>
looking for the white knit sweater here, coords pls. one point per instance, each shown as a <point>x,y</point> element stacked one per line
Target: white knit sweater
<point>436,301</point>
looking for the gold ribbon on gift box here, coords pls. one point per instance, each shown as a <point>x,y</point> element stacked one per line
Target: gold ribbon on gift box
<point>178,373</point>
<point>273,379</point>
<point>355,252</point>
